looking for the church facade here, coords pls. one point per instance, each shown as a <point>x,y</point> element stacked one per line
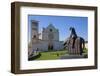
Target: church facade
<point>49,39</point>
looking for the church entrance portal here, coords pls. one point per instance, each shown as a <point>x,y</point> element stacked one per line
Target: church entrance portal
<point>50,47</point>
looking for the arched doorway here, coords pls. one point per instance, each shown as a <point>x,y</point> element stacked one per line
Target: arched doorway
<point>50,47</point>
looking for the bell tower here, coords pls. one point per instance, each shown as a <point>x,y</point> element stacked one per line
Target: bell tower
<point>34,29</point>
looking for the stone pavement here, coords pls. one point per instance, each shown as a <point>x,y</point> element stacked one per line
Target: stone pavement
<point>72,57</point>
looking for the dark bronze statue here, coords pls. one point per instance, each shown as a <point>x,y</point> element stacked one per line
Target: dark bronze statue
<point>74,44</point>
<point>73,36</point>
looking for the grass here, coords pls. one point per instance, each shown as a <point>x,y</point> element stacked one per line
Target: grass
<point>52,55</point>
<point>85,52</point>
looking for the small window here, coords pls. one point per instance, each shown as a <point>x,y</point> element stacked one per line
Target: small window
<point>50,30</point>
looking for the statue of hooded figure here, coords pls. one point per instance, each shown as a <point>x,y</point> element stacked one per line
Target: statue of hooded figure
<point>73,35</point>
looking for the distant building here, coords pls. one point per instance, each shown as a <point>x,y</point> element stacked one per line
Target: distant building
<point>49,41</point>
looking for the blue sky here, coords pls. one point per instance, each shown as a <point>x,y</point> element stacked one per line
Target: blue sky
<point>63,23</point>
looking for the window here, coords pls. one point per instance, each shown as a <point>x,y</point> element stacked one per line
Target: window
<point>50,30</point>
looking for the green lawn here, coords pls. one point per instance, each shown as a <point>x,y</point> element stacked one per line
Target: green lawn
<point>85,50</point>
<point>52,55</point>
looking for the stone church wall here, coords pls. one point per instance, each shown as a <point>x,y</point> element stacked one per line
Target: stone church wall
<point>58,45</point>
<point>42,45</point>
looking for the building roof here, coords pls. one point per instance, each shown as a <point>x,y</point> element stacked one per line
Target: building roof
<point>34,21</point>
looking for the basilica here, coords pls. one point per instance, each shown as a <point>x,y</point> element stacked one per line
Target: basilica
<point>49,39</point>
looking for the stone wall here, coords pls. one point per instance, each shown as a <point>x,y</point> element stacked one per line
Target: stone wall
<point>42,45</point>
